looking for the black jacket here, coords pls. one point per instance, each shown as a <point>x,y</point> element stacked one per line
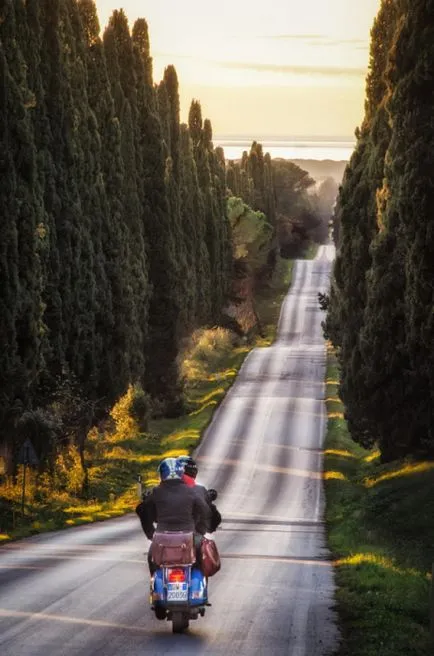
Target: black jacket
<point>173,506</point>
<point>214,517</point>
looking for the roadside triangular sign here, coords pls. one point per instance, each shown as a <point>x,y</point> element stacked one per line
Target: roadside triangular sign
<point>27,454</point>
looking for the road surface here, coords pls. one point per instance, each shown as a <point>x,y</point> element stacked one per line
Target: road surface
<point>84,591</point>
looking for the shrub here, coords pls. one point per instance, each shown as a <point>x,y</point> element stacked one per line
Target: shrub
<point>205,351</point>
<point>68,471</point>
<point>131,413</point>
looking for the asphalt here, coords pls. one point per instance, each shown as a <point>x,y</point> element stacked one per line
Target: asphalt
<point>85,590</point>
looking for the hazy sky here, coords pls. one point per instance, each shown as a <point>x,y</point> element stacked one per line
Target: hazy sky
<point>263,67</point>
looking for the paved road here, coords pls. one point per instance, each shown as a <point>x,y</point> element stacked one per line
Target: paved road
<point>84,591</point>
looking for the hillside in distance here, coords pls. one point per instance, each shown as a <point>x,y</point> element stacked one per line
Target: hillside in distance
<point>322,169</point>
<point>321,156</point>
<point>319,170</point>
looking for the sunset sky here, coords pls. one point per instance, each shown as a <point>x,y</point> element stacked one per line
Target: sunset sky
<point>269,67</point>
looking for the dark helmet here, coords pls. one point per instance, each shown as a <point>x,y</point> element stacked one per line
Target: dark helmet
<point>190,467</point>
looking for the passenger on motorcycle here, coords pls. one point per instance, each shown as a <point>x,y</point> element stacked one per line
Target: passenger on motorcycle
<point>172,505</point>
<point>189,478</point>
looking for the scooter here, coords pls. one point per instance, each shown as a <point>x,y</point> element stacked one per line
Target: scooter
<point>179,593</point>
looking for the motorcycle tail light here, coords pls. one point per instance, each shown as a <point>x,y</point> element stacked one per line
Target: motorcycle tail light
<point>176,576</point>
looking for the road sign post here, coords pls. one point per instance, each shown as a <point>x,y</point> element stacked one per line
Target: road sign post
<point>431,606</point>
<point>139,486</point>
<point>23,496</point>
<point>27,456</point>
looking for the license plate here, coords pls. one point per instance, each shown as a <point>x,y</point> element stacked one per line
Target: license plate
<point>177,592</point>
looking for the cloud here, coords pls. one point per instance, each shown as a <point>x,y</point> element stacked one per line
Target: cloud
<point>315,39</point>
<point>357,43</point>
<point>292,37</point>
<point>294,70</point>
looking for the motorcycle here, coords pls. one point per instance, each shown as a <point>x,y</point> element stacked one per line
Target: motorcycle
<point>179,591</point>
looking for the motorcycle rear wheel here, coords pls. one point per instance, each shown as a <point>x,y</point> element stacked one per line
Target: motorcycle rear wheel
<point>179,623</point>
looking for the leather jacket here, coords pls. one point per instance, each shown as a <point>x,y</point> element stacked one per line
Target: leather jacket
<point>173,506</point>
<point>215,518</point>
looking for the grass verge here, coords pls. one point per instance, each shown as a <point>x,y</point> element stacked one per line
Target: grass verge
<point>380,524</point>
<point>115,460</point>
<point>311,251</point>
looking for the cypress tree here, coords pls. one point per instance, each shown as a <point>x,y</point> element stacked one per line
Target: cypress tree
<point>70,282</point>
<point>397,343</point>
<point>352,263</point>
<point>95,200</point>
<point>113,306</point>
<point>358,219</point>
<point>58,188</point>
<point>245,183</point>
<point>170,81</point>
<point>271,214</point>
<point>232,179</point>
<point>185,288</point>
<point>162,346</point>
<point>255,168</point>
<point>269,190</point>
<point>224,230</point>
<point>121,70</point>
<point>193,216</point>
<point>201,135</point>
<point>190,212</point>
<point>386,366</point>
<point>411,112</point>
<point>22,232</point>
<point>81,353</point>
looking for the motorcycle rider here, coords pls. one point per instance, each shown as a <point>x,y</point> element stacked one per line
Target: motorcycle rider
<point>172,506</point>
<point>189,478</point>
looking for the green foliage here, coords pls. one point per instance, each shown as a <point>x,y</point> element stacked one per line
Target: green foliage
<point>21,208</point>
<point>131,413</point>
<point>282,191</point>
<point>68,471</point>
<point>141,407</point>
<point>206,351</point>
<point>411,191</point>
<point>251,235</point>
<point>381,533</point>
<point>210,168</point>
<point>115,242</point>
<point>381,297</point>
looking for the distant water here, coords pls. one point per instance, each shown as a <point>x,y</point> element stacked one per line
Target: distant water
<point>317,148</point>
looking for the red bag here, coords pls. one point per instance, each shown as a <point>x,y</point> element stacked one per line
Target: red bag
<point>210,557</point>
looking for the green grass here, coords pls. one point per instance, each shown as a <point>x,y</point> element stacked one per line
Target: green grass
<point>115,461</point>
<point>380,524</point>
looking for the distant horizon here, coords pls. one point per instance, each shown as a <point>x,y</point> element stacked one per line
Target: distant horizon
<point>309,147</point>
<point>284,137</point>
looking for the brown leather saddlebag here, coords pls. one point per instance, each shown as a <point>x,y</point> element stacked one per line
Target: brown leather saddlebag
<point>210,557</point>
<point>173,549</point>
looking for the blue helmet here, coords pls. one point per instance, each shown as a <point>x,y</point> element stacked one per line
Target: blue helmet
<point>170,468</point>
